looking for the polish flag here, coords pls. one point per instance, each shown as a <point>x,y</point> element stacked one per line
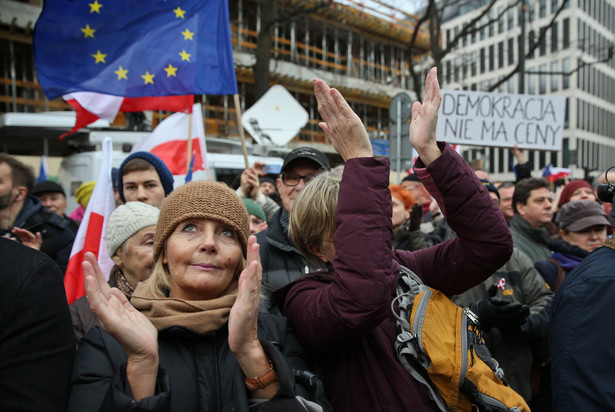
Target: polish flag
<point>91,106</point>
<point>553,174</point>
<point>169,141</point>
<point>92,233</point>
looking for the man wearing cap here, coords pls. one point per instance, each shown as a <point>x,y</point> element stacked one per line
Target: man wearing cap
<point>582,333</point>
<point>282,262</point>
<point>256,216</point>
<point>24,218</point>
<point>53,197</point>
<point>143,177</point>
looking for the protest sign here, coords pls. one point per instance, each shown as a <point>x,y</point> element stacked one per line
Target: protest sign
<point>503,120</point>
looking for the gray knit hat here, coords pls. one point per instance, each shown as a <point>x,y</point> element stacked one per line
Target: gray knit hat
<point>127,220</point>
<point>202,200</point>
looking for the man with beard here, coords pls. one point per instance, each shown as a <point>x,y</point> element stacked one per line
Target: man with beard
<point>24,218</point>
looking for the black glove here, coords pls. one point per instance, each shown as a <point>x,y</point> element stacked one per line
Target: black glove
<point>497,312</point>
<point>416,215</point>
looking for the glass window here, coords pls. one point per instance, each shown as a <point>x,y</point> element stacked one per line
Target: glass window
<point>500,55</point>
<point>532,40</point>
<point>500,20</point>
<point>482,60</point>
<point>543,44</point>
<point>511,51</point>
<point>543,8</point>
<point>554,76</point>
<point>511,18</point>
<point>542,79</point>
<point>531,84</point>
<point>491,58</point>
<point>566,69</point>
<point>566,33</point>
<point>554,37</point>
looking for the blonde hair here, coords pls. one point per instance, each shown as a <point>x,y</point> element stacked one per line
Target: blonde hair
<point>312,218</point>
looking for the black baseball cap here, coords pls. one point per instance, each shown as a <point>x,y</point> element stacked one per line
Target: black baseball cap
<point>306,153</point>
<point>47,186</point>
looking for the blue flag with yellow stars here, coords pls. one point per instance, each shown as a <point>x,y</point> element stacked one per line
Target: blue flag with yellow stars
<point>135,48</point>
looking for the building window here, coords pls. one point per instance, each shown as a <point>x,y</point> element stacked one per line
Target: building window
<point>511,51</point>
<point>491,58</point>
<point>566,33</point>
<point>542,79</point>
<point>500,20</point>
<point>566,76</point>
<point>543,44</point>
<point>554,76</point>
<point>500,55</point>
<point>482,60</point>
<point>511,18</point>
<point>543,8</point>
<point>532,39</point>
<point>554,37</point>
<point>531,84</point>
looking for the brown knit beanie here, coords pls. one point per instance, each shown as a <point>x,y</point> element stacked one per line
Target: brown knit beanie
<point>202,199</point>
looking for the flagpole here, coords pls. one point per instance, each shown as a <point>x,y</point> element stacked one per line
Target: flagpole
<point>189,150</point>
<point>241,133</point>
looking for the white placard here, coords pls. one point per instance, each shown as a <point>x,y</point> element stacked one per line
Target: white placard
<point>275,118</point>
<point>503,120</point>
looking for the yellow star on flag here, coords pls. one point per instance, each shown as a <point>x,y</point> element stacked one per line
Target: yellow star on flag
<point>179,13</point>
<point>121,73</point>
<point>100,58</point>
<point>188,34</point>
<point>185,56</point>
<point>149,78</point>
<point>95,7</point>
<point>171,71</point>
<point>88,31</point>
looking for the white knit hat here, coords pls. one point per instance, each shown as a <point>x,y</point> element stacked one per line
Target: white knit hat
<point>127,220</point>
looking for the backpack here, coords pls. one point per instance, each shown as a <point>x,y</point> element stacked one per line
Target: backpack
<point>440,344</point>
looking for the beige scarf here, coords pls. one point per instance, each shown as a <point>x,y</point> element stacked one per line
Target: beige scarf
<point>199,316</point>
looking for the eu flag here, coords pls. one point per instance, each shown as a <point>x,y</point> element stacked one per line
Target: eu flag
<point>135,48</point>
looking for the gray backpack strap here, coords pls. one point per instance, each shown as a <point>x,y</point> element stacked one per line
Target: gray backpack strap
<point>406,344</point>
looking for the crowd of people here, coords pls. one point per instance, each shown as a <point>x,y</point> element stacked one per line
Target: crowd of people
<point>275,295</point>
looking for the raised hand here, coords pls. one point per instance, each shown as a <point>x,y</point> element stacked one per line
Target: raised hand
<point>128,326</point>
<point>27,238</point>
<point>250,182</point>
<point>425,119</point>
<point>243,326</point>
<point>243,318</point>
<point>116,315</point>
<point>342,126</point>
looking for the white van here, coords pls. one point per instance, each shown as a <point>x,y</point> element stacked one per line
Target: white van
<point>85,166</point>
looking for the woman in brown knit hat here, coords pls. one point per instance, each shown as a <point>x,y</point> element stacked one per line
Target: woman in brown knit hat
<point>194,339</point>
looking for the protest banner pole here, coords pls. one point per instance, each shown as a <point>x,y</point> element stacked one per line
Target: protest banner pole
<point>241,132</point>
<point>189,149</point>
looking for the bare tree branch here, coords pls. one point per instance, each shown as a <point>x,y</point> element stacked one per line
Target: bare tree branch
<point>541,38</point>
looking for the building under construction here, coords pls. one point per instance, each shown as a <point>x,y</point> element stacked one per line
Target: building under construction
<point>361,50</point>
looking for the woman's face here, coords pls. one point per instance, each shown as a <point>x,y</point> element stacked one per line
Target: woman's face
<point>400,214</point>
<point>583,193</point>
<point>588,239</point>
<point>136,256</point>
<point>202,256</point>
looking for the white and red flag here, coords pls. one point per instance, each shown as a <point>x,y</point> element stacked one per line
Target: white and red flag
<point>91,106</point>
<point>92,233</point>
<point>169,141</point>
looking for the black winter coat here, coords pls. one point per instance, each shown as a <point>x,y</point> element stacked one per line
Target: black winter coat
<point>58,234</point>
<point>36,338</point>
<point>197,373</point>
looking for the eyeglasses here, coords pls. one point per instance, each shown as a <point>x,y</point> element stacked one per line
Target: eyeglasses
<point>293,179</point>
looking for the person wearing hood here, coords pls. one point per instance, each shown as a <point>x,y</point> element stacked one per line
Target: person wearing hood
<point>24,218</point>
<point>582,356</point>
